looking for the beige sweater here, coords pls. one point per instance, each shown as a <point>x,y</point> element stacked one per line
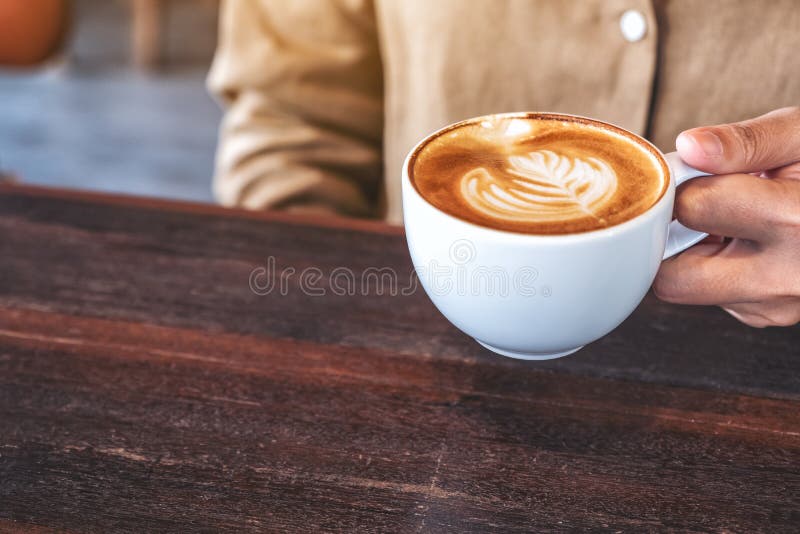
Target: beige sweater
<point>325,97</point>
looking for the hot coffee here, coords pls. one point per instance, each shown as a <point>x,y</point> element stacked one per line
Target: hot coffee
<point>539,173</point>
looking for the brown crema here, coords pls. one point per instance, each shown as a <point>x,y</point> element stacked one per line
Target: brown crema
<point>539,173</point>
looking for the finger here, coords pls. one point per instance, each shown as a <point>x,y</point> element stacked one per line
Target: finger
<point>766,142</point>
<point>789,172</point>
<point>734,205</point>
<point>773,312</point>
<point>714,239</point>
<point>749,319</point>
<point>710,274</point>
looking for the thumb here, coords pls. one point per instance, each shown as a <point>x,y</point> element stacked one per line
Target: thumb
<point>754,145</point>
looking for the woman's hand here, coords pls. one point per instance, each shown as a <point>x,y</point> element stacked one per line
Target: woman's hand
<point>753,199</point>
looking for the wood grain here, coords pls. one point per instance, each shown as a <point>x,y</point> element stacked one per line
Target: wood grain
<point>145,387</point>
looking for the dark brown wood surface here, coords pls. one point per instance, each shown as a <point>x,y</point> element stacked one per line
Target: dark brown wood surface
<point>145,387</point>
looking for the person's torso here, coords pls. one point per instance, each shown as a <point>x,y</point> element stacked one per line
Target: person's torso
<point>696,63</point>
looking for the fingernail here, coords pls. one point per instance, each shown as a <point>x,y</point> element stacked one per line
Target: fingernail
<point>709,143</point>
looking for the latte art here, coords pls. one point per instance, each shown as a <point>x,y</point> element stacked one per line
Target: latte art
<point>541,186</point>
<point>538,173</point>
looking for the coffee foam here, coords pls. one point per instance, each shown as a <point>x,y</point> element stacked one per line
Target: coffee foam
<point>540,174</point>
<point>541,186</point>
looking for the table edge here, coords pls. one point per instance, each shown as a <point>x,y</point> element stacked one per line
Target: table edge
<point>199,208</point>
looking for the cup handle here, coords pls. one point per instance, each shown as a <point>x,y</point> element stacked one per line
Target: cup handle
<point>679,237</point>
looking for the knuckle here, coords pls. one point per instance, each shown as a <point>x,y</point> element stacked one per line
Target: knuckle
<point>749,136</point>
<point>785,212</point>
<point>791,110</point>
<point>788,112</point>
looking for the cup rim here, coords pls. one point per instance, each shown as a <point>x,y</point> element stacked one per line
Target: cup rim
<point>575,236</point>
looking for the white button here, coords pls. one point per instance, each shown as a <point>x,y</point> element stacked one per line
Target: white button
<point>633,25</point>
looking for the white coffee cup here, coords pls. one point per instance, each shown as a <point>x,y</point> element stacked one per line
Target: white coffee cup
<point>538,297</point>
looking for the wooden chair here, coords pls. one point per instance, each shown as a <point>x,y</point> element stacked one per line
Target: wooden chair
<point>146,33</point>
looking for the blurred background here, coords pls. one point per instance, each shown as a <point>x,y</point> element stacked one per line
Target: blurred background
<point>123,107</point>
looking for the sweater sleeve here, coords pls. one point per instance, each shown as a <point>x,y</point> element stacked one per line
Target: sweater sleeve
<point>301,85</point>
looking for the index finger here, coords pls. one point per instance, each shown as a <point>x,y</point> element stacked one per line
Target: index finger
<point>733,205</point>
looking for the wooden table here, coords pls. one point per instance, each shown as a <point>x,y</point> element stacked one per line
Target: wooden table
<point>145,387</point>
